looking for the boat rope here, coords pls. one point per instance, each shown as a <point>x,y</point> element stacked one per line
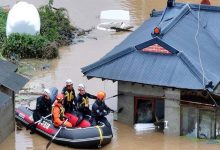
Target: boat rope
<point>100,135</point>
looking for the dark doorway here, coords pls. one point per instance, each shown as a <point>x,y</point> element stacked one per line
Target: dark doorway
<point>148,110</point>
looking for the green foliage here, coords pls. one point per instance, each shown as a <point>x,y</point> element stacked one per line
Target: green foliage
<point>3,18</point>
<point>50,2</point>
<point>56,31</point>
<point>55,25</point>
<point>28,46</point>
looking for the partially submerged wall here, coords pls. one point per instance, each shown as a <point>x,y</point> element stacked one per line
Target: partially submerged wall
<point>127,100</point>
<point>172,112</point>
<point>171,97</point>
<point>7,124</point>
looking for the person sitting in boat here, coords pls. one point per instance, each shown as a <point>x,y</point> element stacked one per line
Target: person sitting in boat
<point>100,110</point>
<point>82,101</point>
<point>43,108</point>
<point>58,116</point>
<point>69,98</point>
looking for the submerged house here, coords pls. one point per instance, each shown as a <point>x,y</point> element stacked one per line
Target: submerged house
<point>10,83</point>
<point>169,68</point>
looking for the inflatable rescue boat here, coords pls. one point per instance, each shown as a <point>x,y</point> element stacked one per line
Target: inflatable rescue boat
<point>79,137</point>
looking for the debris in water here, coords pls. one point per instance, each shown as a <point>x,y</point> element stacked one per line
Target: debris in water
<point>144,126</point>
<point>45,66</point>
<point>19,126</point>
<point>115,20</point>
<point>114,26</point>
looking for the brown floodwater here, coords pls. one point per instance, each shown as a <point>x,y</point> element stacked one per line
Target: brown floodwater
<point>85,14</point>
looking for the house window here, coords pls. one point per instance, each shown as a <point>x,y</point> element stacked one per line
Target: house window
<point>148,110</point>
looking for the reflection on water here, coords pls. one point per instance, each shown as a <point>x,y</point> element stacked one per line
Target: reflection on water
<point>85,14</point>
<point>23,137</point>
<point>124,138</point>
<point>140,9</point>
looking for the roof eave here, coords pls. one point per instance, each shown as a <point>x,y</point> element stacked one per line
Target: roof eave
<point>102,62</point>
<point>21,82</point>
<point>183,88</point>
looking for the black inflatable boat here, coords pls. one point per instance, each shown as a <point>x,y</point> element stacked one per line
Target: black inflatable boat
<point>89,137</point>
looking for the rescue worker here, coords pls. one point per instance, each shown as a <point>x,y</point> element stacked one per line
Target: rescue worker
<point>82,101</point>
<point>70,96</point>
<point>58,116</point>
<point>100,110</point>
<point>43,108</point>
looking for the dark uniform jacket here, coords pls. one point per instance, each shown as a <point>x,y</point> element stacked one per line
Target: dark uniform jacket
<point>82,100</point>
<point>100,109</point>
<point>43,108</point>
<point>69,99</point>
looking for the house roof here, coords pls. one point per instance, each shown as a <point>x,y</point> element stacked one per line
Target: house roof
<point>9,78</point>
<point>189,32</point>
<point>7,66</point>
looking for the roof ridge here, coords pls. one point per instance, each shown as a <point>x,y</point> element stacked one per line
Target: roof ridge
<point>176,19</point>
<point>155,13</point>
<point>180,5</point>
<point>108,59</point>
<point>205,7</point>
<point>194,70</point>
<point>186,7</point>
<point>199,6</point>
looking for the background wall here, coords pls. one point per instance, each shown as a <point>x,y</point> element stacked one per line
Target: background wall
<point>7,124</point>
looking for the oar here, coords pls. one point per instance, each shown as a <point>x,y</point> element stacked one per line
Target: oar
<point>48,144</point>
<point>114,96</point>
<point>118,111</point>
<point>30,125</point>
<point>115,113</point>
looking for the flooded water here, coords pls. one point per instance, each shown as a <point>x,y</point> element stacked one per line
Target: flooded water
<point>85,14</point>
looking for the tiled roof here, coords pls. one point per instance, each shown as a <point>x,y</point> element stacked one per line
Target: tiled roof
<point>181,28</point>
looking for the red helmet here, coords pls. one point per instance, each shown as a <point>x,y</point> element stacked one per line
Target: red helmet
<point>101,95</point>
<point>59,97</point>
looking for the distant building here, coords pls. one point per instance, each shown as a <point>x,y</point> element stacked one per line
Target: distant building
<point>169,68</point>
<point>10,83</point>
